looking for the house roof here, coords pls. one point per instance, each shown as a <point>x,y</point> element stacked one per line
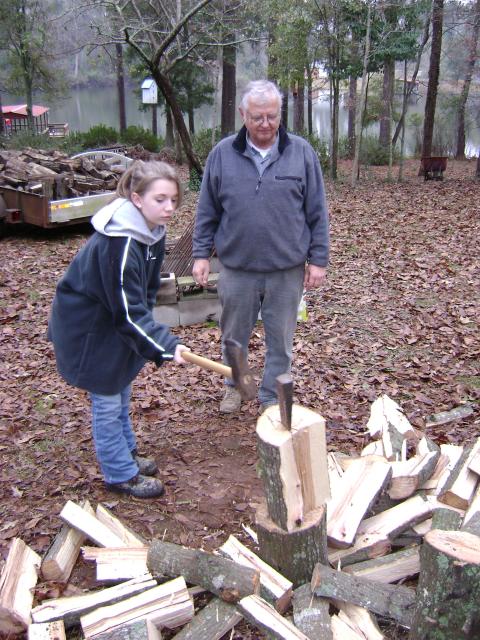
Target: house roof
<point>20,110</point>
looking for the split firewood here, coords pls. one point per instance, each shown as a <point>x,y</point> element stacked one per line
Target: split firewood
<point>474,463</point>
<point>274,587</point>
<point>47,631</point>
<point>366,547</point>
<point>448,589</point>
<point>117,563</point>
<point>117,527</point>
<point>355,493</point>
<point>137,630</point>
<point>18,578</point>
<point>70,609</point>
<point>212,622</point>
<point>397,519</point>
<point>474,507</point>
<point>226,579</point>
<point>374,448</point>
<point>87,523</point>
<point>293,554</point>
<point>311,614</point>
<point>293,464</point>
<point>60,558</point>
<point>462,482</point>
<point>388,422</point>
<point>166,605</point>
<point>390,568</point>
<point>359,619</point>
<point>343,631</point>
<point>409,475</point>
<point>438,480</point>
<point>267,619</point>
<point>394,602</point>
<point>335,472</point>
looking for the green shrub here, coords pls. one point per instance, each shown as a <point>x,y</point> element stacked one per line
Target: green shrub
<point>373,153</point>
<point>202,142</point>
<point>320,147</point>
<point>35,141</point>
<point>134,135</point>
<point>99,136</point>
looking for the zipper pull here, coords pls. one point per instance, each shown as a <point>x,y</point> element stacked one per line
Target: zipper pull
<point>258,185</point>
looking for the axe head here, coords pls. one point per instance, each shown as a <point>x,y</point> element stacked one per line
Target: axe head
<point>241,374</point>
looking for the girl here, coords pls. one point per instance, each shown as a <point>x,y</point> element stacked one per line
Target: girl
<point>101,323</point>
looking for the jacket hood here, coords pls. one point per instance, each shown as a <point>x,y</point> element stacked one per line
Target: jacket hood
<point>122,218</point>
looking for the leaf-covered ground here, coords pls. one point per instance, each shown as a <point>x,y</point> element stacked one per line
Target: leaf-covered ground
<point>399,314</point>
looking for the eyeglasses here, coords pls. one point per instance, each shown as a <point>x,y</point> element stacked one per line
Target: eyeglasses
<point>271,119</point>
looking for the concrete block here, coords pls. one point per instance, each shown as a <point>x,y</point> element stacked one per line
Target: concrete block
<point>196,310</point>
<point>167,293</point>
<point>167,314</point>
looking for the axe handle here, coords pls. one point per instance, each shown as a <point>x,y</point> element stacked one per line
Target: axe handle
<point>205,363</point>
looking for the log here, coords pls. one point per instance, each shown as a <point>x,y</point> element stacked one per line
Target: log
<point>212,622</point>
<point>397,519</point>
<point>293,464</point>
<point>363,481</point>
<point>409,475</point>
<point>457,413</point>
<point>293,554</point>
<point>62,555</point>
<point>391,568</point>
<point>88,524</point>
<point>117,563</point>
<point>18,578</point>
<point>343,631</point>
<point>166,605</point>
<point>462,482</point>
<point>359,620</point>
<point>394,602</point>
<point>226,579</point>
<point>335,472</point>
<point>366,547</point>
<point>311,614</point>
<point>47,631</point>
<point>474,507</point>
<point>264,616</point>
<point>448,592</point>
<point>136,630</point>
<point>72,608</point>
<point>389,422</point>
<point>453,453</point>
<point>117,527</point>
<point>274,588</point>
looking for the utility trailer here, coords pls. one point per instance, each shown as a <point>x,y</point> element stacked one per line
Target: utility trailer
<point>18,206</point>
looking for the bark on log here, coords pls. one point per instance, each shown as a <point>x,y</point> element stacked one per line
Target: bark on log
<point>396,566</point>
<point>311,614</point>
<point>293,554</point>
<point>212,622</point>
<point>226,579</point>
<point>448,592</point>
<point>393,602</point>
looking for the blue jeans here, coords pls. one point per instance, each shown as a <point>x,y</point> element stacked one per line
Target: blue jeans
<point>277,295</point>
<point>113,435</point>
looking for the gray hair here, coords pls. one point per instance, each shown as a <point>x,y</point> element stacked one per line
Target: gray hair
<point>261,90</point>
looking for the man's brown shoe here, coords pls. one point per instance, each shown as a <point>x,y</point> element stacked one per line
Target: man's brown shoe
<point>146,466</point>
<point>139,487</point>
<point>231,402</point>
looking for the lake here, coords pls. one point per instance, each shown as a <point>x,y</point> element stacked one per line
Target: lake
<point>86,107</point>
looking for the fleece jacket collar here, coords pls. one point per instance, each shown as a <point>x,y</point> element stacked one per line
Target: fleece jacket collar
<point>240,142</point>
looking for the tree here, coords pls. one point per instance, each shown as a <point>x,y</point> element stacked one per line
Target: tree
<point>28,35</point>
<point>471,60</point>
<point>433,76</point>
<point>363,98</point>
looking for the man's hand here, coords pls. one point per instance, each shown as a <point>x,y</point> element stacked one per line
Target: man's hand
<point>178,354</point>
<point>200,271</point>
<point>314,276</point>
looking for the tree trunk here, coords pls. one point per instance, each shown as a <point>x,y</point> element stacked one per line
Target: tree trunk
<point>478,167</point>
<point>191,120</point>
<point>169,141</point>
<point>433,75</point>
<point>228,90</point>
<point>122,112</point>
<point>299,107</point>
<point>2,121</point>
<point>352,106</point>
<point>309,101</point>
<point>363,98</point>
<point>285,107</point>
<point>471,59</point>
<point>387,100</point>
<point>154,120</point>
<point>166,88</point>
<point>334,127</point>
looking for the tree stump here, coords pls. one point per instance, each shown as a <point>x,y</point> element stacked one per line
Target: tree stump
<point>448,592</point>
<point>294,554</point>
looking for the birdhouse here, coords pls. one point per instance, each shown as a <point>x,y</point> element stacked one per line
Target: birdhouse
<point>149,91</point>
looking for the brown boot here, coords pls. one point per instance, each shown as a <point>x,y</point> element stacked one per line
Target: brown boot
<point>231,402</point>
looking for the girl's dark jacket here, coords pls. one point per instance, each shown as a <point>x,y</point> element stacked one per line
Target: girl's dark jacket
<point>101,324</point>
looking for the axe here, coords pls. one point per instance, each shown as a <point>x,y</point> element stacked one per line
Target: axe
<point>239,372</point>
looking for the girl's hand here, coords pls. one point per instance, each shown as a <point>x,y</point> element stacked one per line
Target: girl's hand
<point>178,354</point>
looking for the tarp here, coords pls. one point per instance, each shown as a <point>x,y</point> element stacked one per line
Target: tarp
<point>20,110</point>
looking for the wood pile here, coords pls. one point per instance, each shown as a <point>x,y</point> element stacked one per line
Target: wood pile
<point>405,507</point>
<point>53,174</point>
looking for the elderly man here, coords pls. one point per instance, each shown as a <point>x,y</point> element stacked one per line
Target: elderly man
<point>262,206</point>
